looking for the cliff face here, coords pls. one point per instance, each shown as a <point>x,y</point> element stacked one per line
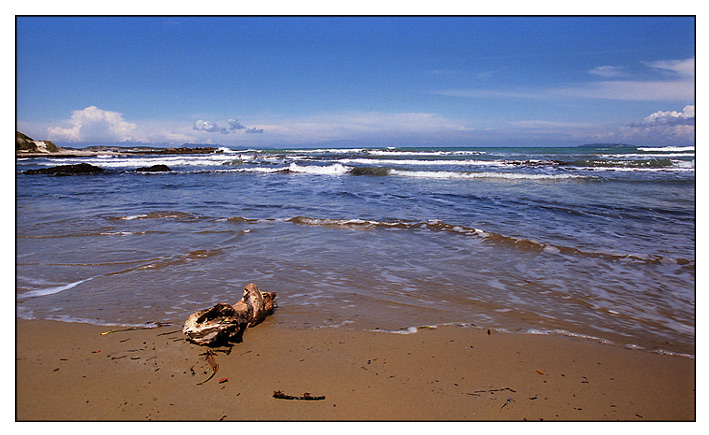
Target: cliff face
<point>25,144</point>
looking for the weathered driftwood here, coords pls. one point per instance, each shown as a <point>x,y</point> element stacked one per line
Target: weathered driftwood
<point>255,305</point>
<point>216,324</point>
<point>224,322</point>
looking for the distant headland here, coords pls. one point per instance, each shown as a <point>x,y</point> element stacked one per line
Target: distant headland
<point>25,146</point>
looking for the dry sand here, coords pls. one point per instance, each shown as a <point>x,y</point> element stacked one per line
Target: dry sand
<point>72,372</point>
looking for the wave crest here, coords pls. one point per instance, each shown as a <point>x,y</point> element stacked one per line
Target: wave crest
<point>336,169</point>
<point>489,237</point>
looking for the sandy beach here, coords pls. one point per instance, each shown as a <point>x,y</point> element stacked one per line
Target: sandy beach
<point>71,372</point>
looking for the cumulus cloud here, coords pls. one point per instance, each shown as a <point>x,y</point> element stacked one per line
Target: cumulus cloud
<point>664,127</point>
<point>209,126</point>
<point>95,125</point>
<point>212,127</point>
<point>685,117</point>
<point>234,124</point>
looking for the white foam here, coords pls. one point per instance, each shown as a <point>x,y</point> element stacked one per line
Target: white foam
<point>119,162</point>
<point>645,156</point>
<point>534,331</point>
<point>327,150</point>
<point>416,162</point>
<point>551,249</point>
<point>72,319</point>
<point>51,290</point>
<point>257,170</point>
<point>409,330</point>
<point>669,149</point>
<point>681,166</point>
<point>393,152</point>
<point>481,233</point>
<point>475,175</point>
<point>336,169</point>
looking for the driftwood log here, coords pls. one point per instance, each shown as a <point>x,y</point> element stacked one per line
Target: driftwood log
<point>223,322</point>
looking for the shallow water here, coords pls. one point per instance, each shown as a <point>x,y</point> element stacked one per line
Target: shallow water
<point>594,242</point>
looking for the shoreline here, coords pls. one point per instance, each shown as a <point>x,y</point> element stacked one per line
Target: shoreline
<point>561,334</point>
<point>438,374</point>
<point>64,153</point>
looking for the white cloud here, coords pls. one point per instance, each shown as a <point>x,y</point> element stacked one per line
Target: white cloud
<point>362,125</point>
<point>540,124</point>
<point>685,117</point>
<point>663,127</point>
<point>356,129</point>
<point>234,124</point>
<point>209,126</point>
<point>633,90</point>
<point>675,84</point>
<point>608,71</point>
<point>95,125</point>
<point>606,90</point>
<point>682,67</point>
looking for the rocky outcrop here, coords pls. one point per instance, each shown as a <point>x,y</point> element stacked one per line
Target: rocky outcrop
<point>26,147</point>
<point>81,168</point>
<point>25,144</point>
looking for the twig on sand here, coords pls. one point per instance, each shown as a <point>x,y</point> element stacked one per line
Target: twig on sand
<point>210,359</point>
<point>508,401</point>
<point>171,332</point>
<point>120,330</point>
<point>306,396</point>
<point>475,393</point>
<point>136,328</point>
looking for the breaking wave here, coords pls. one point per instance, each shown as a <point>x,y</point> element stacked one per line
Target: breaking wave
<point>463,175</point>
<point>418,162</point>
<point>489,237</point>
<point>336,169</point>
<point>668,149</point>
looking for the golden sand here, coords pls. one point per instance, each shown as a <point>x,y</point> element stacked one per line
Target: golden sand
<point>72,372</point>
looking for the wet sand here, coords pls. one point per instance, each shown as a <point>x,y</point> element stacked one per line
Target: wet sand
<point>70,372</point>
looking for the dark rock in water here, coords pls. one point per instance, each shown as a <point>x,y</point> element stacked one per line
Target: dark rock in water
<point>154,168</point>
<point>368,170</point>
<point>81,168</point>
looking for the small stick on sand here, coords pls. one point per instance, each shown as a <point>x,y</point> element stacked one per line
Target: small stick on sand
<point>306,396</point>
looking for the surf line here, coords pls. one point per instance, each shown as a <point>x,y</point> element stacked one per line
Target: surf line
<point>52,290</point>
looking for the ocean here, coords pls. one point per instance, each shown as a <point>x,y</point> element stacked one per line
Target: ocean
<point>595,242</point>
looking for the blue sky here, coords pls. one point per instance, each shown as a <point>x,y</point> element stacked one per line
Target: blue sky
<point>356,81</point>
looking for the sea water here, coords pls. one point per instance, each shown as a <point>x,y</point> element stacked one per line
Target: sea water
<point>595,242</point>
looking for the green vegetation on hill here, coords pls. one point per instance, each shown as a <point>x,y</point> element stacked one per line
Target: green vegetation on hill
<point>26,144</point>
